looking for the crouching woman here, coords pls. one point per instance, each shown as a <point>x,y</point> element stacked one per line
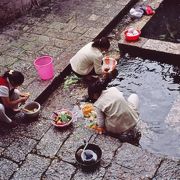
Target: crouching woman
<point>10,96</point>
<point>88,60</point>
<point>115,114</point>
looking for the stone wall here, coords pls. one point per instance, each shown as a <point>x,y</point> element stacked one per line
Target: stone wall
<point>11,9</point>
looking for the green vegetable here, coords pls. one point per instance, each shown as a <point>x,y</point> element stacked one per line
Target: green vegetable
<point>91,124</point>
<point>65,117</point>
<point>72,79</point>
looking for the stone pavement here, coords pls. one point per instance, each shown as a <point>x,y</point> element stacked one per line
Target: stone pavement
<point>58,29</point>
<point>37,150</point>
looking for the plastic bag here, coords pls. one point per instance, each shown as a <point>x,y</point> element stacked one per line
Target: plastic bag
<point>136,12</point>
<point>147,10</point>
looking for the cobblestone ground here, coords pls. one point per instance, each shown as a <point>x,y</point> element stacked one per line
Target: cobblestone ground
<point>36,149</point>
<point>58,29</point>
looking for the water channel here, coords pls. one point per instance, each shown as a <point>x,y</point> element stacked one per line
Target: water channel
<point>157,85</point>
<point>164,25</point>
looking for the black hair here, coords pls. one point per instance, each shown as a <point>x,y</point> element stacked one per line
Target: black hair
<point>101,43</point>
<point>16,78</point>
<point>96,88</point>
<point>99,85</point>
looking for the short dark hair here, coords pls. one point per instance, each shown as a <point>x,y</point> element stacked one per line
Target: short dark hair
<point>96,88</point>
<point>101,43</point>
<point>16,78</point>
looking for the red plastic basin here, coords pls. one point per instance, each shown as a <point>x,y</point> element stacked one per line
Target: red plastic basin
<point>132,38</point>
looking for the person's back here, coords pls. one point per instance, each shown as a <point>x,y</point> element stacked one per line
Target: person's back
<point>88,60</point>
<point>119,115</point>
<point>83,61</point>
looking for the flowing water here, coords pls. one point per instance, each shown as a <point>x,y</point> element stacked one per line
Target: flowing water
<point>157,86</point>
<point>165,24</point>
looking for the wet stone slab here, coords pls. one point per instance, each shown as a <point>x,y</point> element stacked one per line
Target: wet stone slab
<point>162,46</point>
<point>112,11</point>
<point>35,87</point>
<point>62,98</point>
<point>34,130</point>
<point>62,61</point>
<point>7,168</point>
<point>138,43</point>
<point>173,118</point>
<point>14,52</point>
<point>37,30</point>
<point>52,141</point>
<point>32,168</point>
<point>6,138</point>
<point>62,35</point>
<point>4,41</point>
<point>29,37</point>
<point>1,150</point>
<point>98,174</point>
<point>60,43</point>
<point>30,79</point>
<point>108,145</point>
<point>102,21</point>
<point>51,51</point>
<point>46,113</point>
<point>83,40</point>
<point>3,69</point>
<point>21,66</point>
<point>20,147</point>
<point>28,56</point>
<point>33,46</point>
<point>59,170</point>
<point>93,32</point>
<point>132,162</point>
<point>7,60</point>
<point>66,96</point>
<point>122,3</point>
<point>18,43</point>
<point>67,151</point>
<point>58,26</point>
<point>168,170</point>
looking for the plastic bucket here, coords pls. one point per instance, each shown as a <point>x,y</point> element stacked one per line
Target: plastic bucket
<point>109,64</point>
<point>44,67</point>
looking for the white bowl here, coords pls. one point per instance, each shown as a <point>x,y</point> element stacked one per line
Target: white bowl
<point>29,107</point>
<point>91,153</point>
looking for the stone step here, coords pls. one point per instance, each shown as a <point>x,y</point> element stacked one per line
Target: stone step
<point>173,118</point>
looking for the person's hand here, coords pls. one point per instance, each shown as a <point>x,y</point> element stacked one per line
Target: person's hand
<point>24,99</point>
<point>97,129</point>
<point>105,69</point>
<point>25,94</point>
<point>105,75</point>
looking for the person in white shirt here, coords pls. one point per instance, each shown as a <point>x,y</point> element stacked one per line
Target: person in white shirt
<point>10,96</point>
<point>88,60</point>
<point>114,113</point>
